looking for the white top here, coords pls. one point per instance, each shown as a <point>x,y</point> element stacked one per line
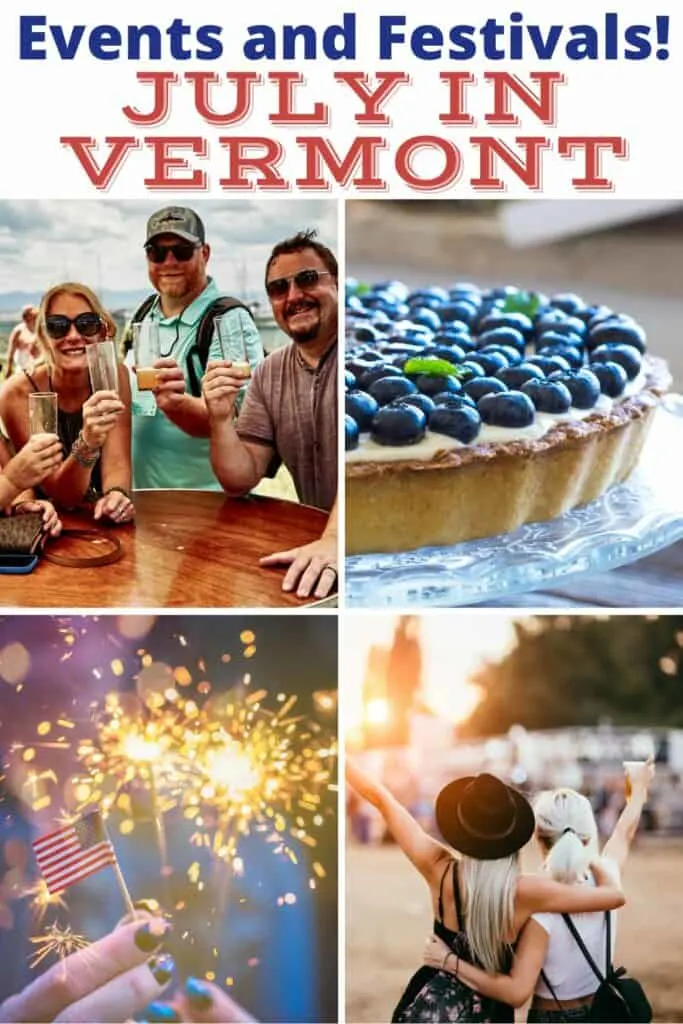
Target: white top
<point>565,965</point>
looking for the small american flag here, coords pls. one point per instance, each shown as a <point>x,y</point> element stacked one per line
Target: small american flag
<point>73,852</point>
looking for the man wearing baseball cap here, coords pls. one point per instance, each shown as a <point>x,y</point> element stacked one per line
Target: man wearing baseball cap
<point>171,447</point>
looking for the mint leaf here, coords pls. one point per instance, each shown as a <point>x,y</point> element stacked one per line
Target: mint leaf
<point>430,365</point>
<point>527,303</point>
<point>363,288</point>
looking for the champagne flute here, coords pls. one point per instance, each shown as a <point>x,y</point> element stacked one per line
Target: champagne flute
<point>42,413</point>
<point>103,365</point>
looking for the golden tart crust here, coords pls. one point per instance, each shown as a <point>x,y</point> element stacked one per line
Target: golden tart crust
<point>480,490</point>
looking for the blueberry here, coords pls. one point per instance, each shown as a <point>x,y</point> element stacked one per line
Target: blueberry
<point>454,401</point>
<point>515,376</point>
<point>501,291</point>
<point>425,317</point>
<point>451,353</point>
<point>461,424</point>
<point>410,331</point>
<point>568,302</point>
<point>399,348</point>
<point>547,338</point>
<point>450,334</point>
<point>423,402</point>
<point>626,355</point>
<point>366,332</point>
<point>570,325</point>
<point>399,425</point>
<point>491,362</point>
<point>511,409</point>
<point>360,366</point>
<point>464,310</point>
<point>496,320</point>
<point>547,320</point>
<point>570,354</point>
<point>548,395</point>
<point>461,289</point>
<point>480,386</point>
<point>432,383</point>
<point>612,377</point>
<point>501,336</point>
<point>376,372</point>
<point>512,355</point>
<point>349,380</point>
<point>470,368</point>
<point>351,433</point>
<point>583,385</point>
<point>417,344</point>
<point>427,295</point>
<point>386,389</point>
<point>361,407</point>
<point>624,332</point>
<point>549,363</point>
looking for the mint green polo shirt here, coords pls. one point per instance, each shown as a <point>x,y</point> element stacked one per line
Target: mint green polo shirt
<point>164,456</point>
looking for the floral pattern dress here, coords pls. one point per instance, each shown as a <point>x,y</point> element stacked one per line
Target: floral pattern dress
<point>433,996</point>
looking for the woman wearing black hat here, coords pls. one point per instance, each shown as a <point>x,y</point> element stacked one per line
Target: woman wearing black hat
<point>548,961</point>
<point>480,899</point>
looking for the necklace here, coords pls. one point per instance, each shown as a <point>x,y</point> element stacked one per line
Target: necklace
<point>165,355</point>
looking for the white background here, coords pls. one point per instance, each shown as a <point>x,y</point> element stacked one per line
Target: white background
<point>44,100</point>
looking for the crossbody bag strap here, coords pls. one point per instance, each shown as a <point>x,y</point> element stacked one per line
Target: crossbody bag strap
<point>580,943</point>
<point>546,981</point>
<point>443,879</point>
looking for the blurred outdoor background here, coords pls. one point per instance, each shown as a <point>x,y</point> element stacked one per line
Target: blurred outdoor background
<point>540,701</point>
<point>132,713</point>
<point>626,255</point>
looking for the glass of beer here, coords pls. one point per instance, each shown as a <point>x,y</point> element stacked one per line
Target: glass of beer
<point>232,343</point>
<point>147,349</point>
<point>42,412</point>
<point>103,365</point>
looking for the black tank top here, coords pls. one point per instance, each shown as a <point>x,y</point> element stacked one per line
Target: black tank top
<point>69,425</point>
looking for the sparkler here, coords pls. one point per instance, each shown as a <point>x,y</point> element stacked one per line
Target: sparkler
<point>61,942</point>
<point>42,899</point>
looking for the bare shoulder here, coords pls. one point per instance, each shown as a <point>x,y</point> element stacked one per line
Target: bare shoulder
<point>15,388</point>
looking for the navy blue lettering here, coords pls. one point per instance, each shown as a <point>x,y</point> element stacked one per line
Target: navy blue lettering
<point>260,44</point>
<point>545,47</point>
<point>339,41</point>
<point>67,48</point>
<point>637,36</point>
<point>490,31</point>
<point>426,42</point>
<point>387,36</point>
<point>208,37</point>
<point>150,33</point>
<point>30,35</point>
<point>583,44</point>
<point>176,31</point>
<point>105,42</point>
<point>462,43</point>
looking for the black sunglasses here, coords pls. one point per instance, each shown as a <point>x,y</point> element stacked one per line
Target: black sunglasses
<point>182,251</point>
<point>303,280</point>
<point>87,325</point>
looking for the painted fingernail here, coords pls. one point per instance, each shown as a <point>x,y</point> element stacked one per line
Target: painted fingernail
<point>198,994</point>
<point>162,967</point>
<point>159,1013</point>
<point>150,935</point>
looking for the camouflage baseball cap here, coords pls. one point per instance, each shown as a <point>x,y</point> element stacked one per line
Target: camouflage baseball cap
<point>176,220</point>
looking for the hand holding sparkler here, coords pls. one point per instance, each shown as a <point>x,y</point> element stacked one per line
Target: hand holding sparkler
<point>112,979</point>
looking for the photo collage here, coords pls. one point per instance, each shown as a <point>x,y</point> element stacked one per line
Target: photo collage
<point>306,724</point>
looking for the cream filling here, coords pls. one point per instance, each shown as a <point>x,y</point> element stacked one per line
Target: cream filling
<point>433,444</point>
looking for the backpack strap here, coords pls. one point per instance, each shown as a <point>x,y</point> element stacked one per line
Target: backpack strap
<point>456,895</point>
<point>443,879</point>
<point>580,943</point>
<point>139,314</point>
<point>546,980</point>
<point>200,349</point>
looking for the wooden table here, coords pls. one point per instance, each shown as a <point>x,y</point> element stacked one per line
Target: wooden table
<point>188,549</point>
<point>652,582</point>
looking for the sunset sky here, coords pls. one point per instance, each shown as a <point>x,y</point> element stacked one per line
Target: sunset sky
<point>453,648</point>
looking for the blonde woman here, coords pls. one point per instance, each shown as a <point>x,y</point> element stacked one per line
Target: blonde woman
<point>481,900</point>
<point>94,428</point>
<point>547,951</point>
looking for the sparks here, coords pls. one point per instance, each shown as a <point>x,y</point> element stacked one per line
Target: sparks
<point>60,942</point>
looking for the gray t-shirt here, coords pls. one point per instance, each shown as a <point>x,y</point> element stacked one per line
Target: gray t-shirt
<point>293,408</point>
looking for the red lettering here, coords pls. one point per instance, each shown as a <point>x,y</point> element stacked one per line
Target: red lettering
<point>528,169</point>
<point>82,147</point>
<point>241,160</point>
<point>244,99</point>
<point>286,81</point>
<point>457,112</point>
<point>592,149</point>
<point>408,150</point>
<point>161,82</point>
<point>357,81</point>
<point>363,150</point>
<point>542,104</point>
<point>165,162</point>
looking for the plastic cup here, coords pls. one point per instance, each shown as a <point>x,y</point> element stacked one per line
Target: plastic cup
<point>42,412</point>
<point>147,350</point>
<point>103,366</point>
<point>631,768</point>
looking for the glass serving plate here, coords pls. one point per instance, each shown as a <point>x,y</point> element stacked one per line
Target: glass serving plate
<point>629,521</point>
